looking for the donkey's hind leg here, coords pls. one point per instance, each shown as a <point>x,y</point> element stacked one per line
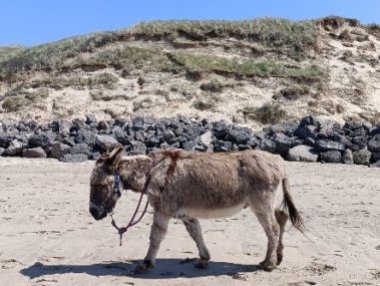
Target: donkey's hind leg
<point>281,217</point>
<point>194,229</point>
<point>262,205</point>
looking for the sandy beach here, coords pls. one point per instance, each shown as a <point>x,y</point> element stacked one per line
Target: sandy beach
<point>48,237</point>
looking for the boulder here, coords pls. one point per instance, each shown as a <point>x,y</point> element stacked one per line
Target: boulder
<point>323,145</point>
<point>348,157</point>
<point>268,145</point>
<point>136,148</point>
<point>5,140</point>
<point>58,149</point>
<point>374,143</point>
<point>106,142</point>
<point>222,146</point>
<point>15,147</point>
<point>41,140</point>
<point>375,165</point>
<point>362,157</point>
<point>332,156</point>
<point>302,153</point>
<point>37,152</point>
<point>283,143</point>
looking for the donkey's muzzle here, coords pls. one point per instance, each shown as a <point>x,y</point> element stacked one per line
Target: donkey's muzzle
<point>98,215</point>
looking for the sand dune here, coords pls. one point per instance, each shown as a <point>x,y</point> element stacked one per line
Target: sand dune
<point>47,236</point>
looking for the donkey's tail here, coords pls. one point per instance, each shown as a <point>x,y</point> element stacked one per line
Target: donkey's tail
<point>294,215</point>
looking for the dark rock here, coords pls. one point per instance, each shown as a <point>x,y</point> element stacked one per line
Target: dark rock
<point>220,130</point>
<point>120,135</point>
<point>374,143</point>
<point>139,136</point>
<point>376,156</point>
<point>222,146</point>
<point>306,131</point>
<point>332,156</point>
<point>168,135</point>
<point>85,136</point>
<point>57,150</point>
<point>253,142</point>
<point>243,147</point>
<point>309,141</point>
<point>358,143</point>
<point>120,122</point>
<point>239,135</point>
<point>32,125</point>
<point>2,150</point>
<point>91,119</point>
<point>73,158</point>
<point>153,141</point>
<point>106,142</point>
<point>37,152</point>
<point>138,123</point>
<point>268,145</point>
<point>178,131</point>
<point>362,157</point>
<point>375,131</point>
<point>136,148</point>
<point>190,146</point>
<point>69,141</point>
<point>41,140</point>
<point>327,128</point>
<point>103,126</point>
<point>308,120</point>
<point>81,148</point>
<point>323,145</point>
<point>302,153</point>
<point>283,143</point>
<point>348,157</point>
<point>15,147</point>
<point>375,165</point>
<point>77,123</point>
<point>5,140</point>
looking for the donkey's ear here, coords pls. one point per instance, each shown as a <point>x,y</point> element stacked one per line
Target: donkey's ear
<point>114,155</point>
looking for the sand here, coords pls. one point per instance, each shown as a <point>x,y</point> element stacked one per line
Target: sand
<point>47,236</point>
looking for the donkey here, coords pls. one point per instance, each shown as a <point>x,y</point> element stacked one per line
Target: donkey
<point>189,185</point>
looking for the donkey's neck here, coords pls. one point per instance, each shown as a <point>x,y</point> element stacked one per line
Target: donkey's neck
<point>135,172</point>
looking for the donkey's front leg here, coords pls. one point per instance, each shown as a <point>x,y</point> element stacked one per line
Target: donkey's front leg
<point>157,234</point>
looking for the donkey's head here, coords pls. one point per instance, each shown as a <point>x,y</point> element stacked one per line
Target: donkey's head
<point>105,184</point>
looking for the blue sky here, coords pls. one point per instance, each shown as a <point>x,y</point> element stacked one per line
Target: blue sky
<point>31,22</point>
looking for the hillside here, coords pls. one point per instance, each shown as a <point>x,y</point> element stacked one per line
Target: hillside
<point>252,72</point>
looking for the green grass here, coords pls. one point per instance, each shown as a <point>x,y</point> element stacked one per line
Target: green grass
<point>52,55</point>
<point>22,99</point>
<point>292,38</point>
<point>272,32</point>
<point>244,66</point>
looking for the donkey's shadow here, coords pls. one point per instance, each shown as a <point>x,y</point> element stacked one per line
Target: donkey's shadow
<point>165,269</point>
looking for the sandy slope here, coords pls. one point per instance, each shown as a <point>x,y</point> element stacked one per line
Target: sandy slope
<point>47,236</point>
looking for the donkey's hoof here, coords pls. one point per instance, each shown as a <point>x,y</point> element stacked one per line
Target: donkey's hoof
<point>268,267</point>
<point>201,264</point>
<point>279,259</point>
<point>143,267</point>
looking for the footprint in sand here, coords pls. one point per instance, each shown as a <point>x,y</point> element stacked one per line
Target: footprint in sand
<point>320,268</point>
<point>9,263</point>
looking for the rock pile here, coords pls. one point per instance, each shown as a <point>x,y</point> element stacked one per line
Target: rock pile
<point>309,139</point>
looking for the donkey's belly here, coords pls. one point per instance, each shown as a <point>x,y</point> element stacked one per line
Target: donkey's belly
<point>214,213</point>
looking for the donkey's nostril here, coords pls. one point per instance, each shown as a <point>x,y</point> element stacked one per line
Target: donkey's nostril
<point>94,212</point>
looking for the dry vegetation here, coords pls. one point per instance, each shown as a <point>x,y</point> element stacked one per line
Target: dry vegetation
<point>241,70</point>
